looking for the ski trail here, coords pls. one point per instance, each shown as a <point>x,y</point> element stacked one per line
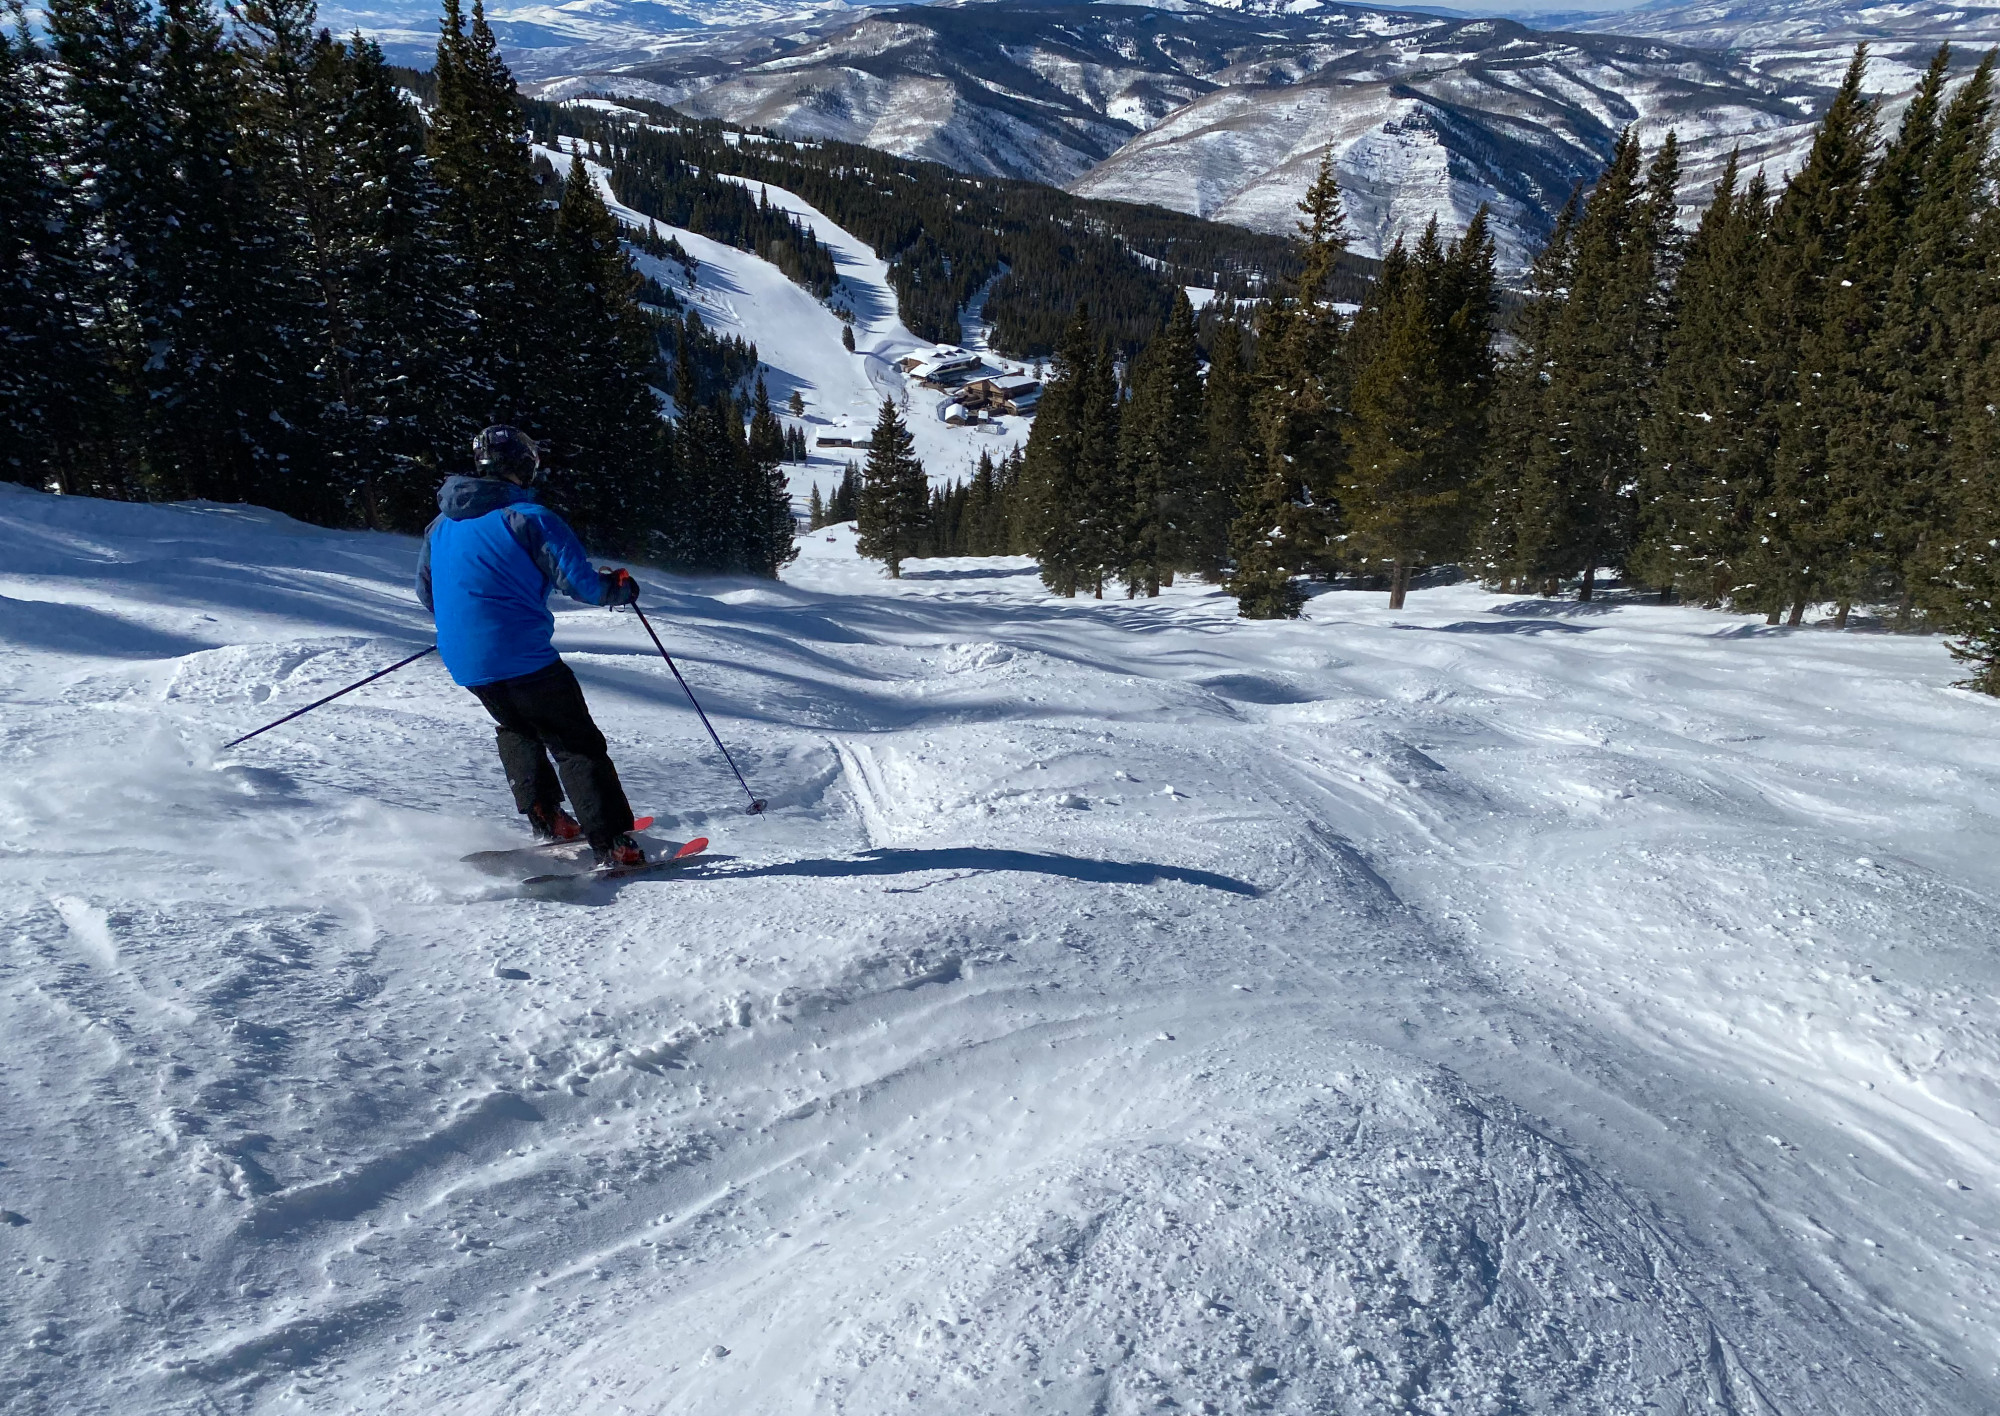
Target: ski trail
<point>1123,1006</point>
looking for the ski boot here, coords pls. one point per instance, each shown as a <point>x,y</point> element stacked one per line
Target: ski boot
<point>552,823</point>
<point>619,852</point>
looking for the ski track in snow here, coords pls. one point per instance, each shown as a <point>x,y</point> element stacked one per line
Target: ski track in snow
<point>1494,1006</point>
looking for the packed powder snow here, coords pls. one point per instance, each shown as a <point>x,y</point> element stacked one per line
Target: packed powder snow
<point>1500,1005</point>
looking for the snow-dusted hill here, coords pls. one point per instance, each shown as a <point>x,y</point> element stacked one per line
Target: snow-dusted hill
<point>1498,1005</point>
<point>581,30</point>
<point>1224,111</point>
<point>1226,114</point>
<point>1765,29</point>
<point>798,340</point>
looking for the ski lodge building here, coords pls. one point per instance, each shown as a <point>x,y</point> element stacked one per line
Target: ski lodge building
<point>946,366</point>
<point>1002,393</point>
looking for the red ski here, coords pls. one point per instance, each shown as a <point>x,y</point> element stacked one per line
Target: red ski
<point>572,879</point>
<point>504,862</point>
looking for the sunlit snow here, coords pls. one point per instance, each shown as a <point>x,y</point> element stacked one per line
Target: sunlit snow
<point>1495,1005</point>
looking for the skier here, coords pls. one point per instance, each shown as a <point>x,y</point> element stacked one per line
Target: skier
<point>485,571</point>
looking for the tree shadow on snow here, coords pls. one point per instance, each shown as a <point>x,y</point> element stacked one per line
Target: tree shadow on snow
<point>1542,626</point>
<point>1554,609</point>
<point>78,629</point>
<point>975,573</point>
<point>982,859</point>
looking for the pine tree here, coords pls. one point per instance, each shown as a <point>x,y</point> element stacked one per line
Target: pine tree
<point>1514,447</point>
<point>602,415</point>
<point>52,369</point>
<point>1422,351</point>
<point>411,392</point>
<point>378,349</point>
<point>1465,311</point>
<point>985,516</point>
<point>499,221</point>
<point>1058,478</point>
<point>767,435</point>
<point>1226,451</point>
<point>1288,512</point>
<point>1582,381</point>
<point>282,128</point>
<point>1926,347</point>
<point>185,264</point>
<point>723,509</point>
<point>1955,562</point>
<point>1160,431</point>
<point>1961,586</point>
<point>1797,552</point>
<point>1706,432</point>
<point>815,510</point>
<point>1107,494</point>
<point>845,504</point>
<point>111,141</point>
<point>1849,389</point>
<point>895,495</point>
<point>766,446</point>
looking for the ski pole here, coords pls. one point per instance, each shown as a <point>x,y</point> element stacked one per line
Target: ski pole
<point>756,805</point>
<point>399,664</point>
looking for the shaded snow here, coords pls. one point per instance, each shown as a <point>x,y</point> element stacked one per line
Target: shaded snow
<point>1497,1005</point>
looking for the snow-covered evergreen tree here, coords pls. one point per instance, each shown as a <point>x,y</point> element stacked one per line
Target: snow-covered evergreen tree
<point>1706,448</point>
<point>1569,453</point>
<point>53,395</point>
<point>598,402</point>
<point>1289,514</point>
<point>892,516</point>
<point>1421,349</point>
<point>1160,433</point>
<point>1796,554</point>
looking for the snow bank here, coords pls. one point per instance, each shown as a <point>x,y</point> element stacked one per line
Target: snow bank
<point>1496,1005</point>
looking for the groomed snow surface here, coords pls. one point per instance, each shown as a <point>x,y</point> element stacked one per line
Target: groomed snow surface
<point>1496,1006</point>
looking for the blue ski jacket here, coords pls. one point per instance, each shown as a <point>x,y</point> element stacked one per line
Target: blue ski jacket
<point>485,571</point>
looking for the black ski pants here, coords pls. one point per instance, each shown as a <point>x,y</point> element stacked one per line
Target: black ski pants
<point>543,713</point>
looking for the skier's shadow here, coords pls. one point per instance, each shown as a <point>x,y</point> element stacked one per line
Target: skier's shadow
<point>978,859</point>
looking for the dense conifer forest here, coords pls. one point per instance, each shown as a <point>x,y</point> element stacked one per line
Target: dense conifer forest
<point>945,234</point>
<point>239,263</point>
<point>1796,403</point>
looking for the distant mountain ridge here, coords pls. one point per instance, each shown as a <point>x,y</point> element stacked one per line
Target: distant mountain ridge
<point>1752,25</point>
<point>1224,109</point>
<point>1219,112</point>
<point>587,30</point>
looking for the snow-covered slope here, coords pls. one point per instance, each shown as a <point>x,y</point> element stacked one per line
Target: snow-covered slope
<point>798,340</point>
<point>1493,1006</point>
<point>1226,114</point>
<point>1225,111</point>
<point>579,29</point>
<point>1765,28</point>
<point>1797,46</point>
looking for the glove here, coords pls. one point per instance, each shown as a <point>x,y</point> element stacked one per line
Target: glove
<point>619,587</point>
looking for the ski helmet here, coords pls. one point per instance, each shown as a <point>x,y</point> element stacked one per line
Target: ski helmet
<point>501,451</point>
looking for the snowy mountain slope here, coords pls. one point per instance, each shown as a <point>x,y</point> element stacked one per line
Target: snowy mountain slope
<point>1224,111</point>
<point>798,340</point>
<point>1763,26</point>
<point>1226,114</point>
<point>1808,43</point>
<point>408,29</point>
<point>1516,134</point>
<point>1495,1005</point>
